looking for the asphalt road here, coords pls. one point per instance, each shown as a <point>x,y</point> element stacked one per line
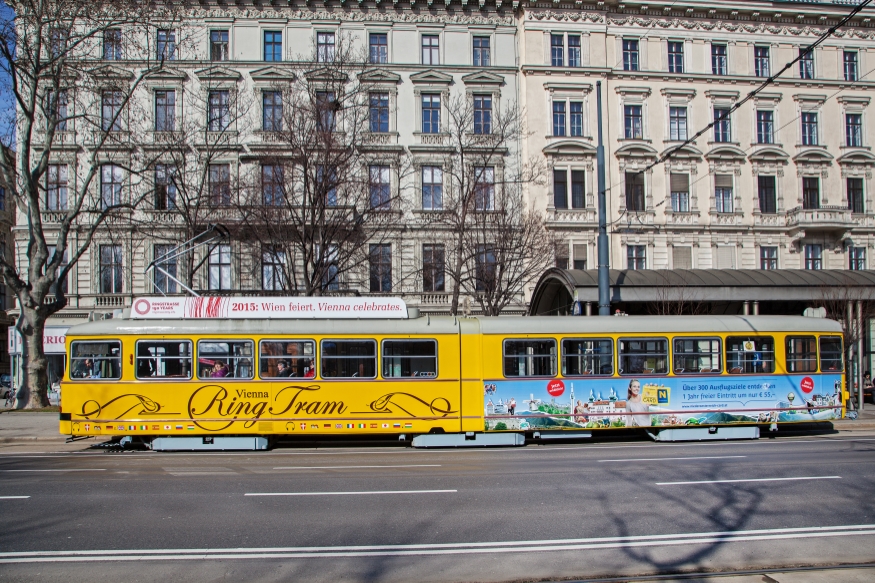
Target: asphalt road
<point>395,514</point>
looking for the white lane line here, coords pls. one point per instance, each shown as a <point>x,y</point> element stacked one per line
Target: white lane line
<point>662,459</point>
<point>347,493</point>
<point>66,470</point>
<point>750,480</point>
<point>13,497</point>
<point>355,467</point>
<point>433,549</point>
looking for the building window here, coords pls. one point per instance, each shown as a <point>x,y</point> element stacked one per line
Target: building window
<point>809,129</point>
<point>557,50</point>
<point>579,259</point>
<point>324,47</point>
<point>855,195</point>
<point>162,283</point>
<point>484,188</point>
<point>219,113</point>
<point>379,112</point>
<point>379,48</point>
<point>273,276</point>
<point>2,204</point>
<point>481,51</point>
<point>635,191</point>
<point>110,185</point>
<point>482,114</point>
<point>273,45</point>
<point>573,50</point>
<point>636,256</point>
<point>431,113</point>
<point>220,185</point>
<point>431,49</point>
<point>761,66</point>
<point>850,62</point>
<point>165,111</point>
<point>680,193</point>
<point>380,259</point>
<point>110,111</point>
<point>813,257</point>
<point>765,127</point>
<point>272,111</point>
<point>432,268</point>
<point>718,59</point>
<point>219,45</point>
<point>682,258</point>
<point>767,194</point>
<point>166,45</point>
<point>380,190</point>
<point>57,106</point>
<point>634,122</point>
<point>722,131</point>
<point>768,258</point>
<point>857,258</point>
<point>56,187</point>
<point>326,183</point>
<point>854,129</point>
<point>578,200</point>
<point>675,57</point>
<point>723,193</point>
<point>325,106</point>
<point>272,184</point>
<point>219,267</point>
<point>52,249</point>
<point>558,118</point>
<point>806,64</point>
<point>630,55</point>
<point>485,268</point>
<point>576,118</point>
<point>677,122</point>
<point>111,273</point>
<point>331,274</point>
<point>165,187</point>
<point>560,189</point>
<point>432,188</point>
<point>112,44</point>
<point>810,192</point>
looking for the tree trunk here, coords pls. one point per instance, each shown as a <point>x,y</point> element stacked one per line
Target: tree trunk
<point>33,393</point>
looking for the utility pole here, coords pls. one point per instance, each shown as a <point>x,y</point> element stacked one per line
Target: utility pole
<point>604,278</point>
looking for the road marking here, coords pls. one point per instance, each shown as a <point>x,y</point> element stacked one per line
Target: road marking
<point>460,548</point>
<point>13,497</point>
<point>66,470</point>
<point>662,459</point>
<point>750,480</point>
<point>355,467</point>
<point>347,493</point>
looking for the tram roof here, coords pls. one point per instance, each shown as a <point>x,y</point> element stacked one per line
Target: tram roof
<point>449,325</point>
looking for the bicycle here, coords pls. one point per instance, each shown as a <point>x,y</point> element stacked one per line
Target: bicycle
<point>10,398</point>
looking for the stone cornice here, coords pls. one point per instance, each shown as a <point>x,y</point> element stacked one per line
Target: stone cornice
<point>352,16</point>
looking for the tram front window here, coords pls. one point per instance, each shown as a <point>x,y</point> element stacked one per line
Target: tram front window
<point>831,354</point>
<point>225,359</point>
<point>287,358</point>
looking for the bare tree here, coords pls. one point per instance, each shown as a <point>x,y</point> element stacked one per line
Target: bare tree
<point>66,159</point>
<point>324,199</point>
<point>674,297</point>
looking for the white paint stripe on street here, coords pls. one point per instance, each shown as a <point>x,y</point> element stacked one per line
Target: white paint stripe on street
<point>433,549</point>
<point>61,470</point>
<point>750,480</point>
<point>348,493</point>
<point>14,497</point>
<point>663,459</point>
<point>355,467</point>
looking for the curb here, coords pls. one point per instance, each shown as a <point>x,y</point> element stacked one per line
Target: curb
<point>31,439</point>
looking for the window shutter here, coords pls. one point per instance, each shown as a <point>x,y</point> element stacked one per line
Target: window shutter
<point>682,257</point>
<point>680,182</point>
<point>726,257</point>
<point>723,180</point>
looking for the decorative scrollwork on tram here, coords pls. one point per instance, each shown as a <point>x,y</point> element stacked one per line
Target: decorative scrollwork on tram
<point>388,403</point>
<point>149,406</point>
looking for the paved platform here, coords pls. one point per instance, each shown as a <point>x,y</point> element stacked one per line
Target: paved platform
<point>860,575</point>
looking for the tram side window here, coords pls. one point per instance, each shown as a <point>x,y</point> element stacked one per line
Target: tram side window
<point>96,360</point>
<point>225,359</point>
<point>696,355</point>
<point>587,357</point>
<point>831,354</point>
<point>750,355</point>
<point>801,354</point>
<point>530,358</point>
<point>643,356</point>
<point>409,358</point>
<point>164,359</point>
<point>349,359</point>
<point>287,358</point>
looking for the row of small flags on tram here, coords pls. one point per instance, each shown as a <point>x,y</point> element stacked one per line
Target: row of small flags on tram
<point>191,427</point>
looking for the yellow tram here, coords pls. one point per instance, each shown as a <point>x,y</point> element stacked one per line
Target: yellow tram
<point>197,381</point>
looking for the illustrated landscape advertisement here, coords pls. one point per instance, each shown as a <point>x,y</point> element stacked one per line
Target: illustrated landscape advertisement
<point>647,402</point>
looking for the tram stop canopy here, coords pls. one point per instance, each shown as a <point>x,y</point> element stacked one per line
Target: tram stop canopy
<point>701,291</point>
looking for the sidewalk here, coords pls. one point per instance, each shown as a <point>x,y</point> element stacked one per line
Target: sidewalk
<point>860,575</point>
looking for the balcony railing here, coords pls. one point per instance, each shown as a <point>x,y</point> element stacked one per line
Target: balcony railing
<point>825,217</point>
